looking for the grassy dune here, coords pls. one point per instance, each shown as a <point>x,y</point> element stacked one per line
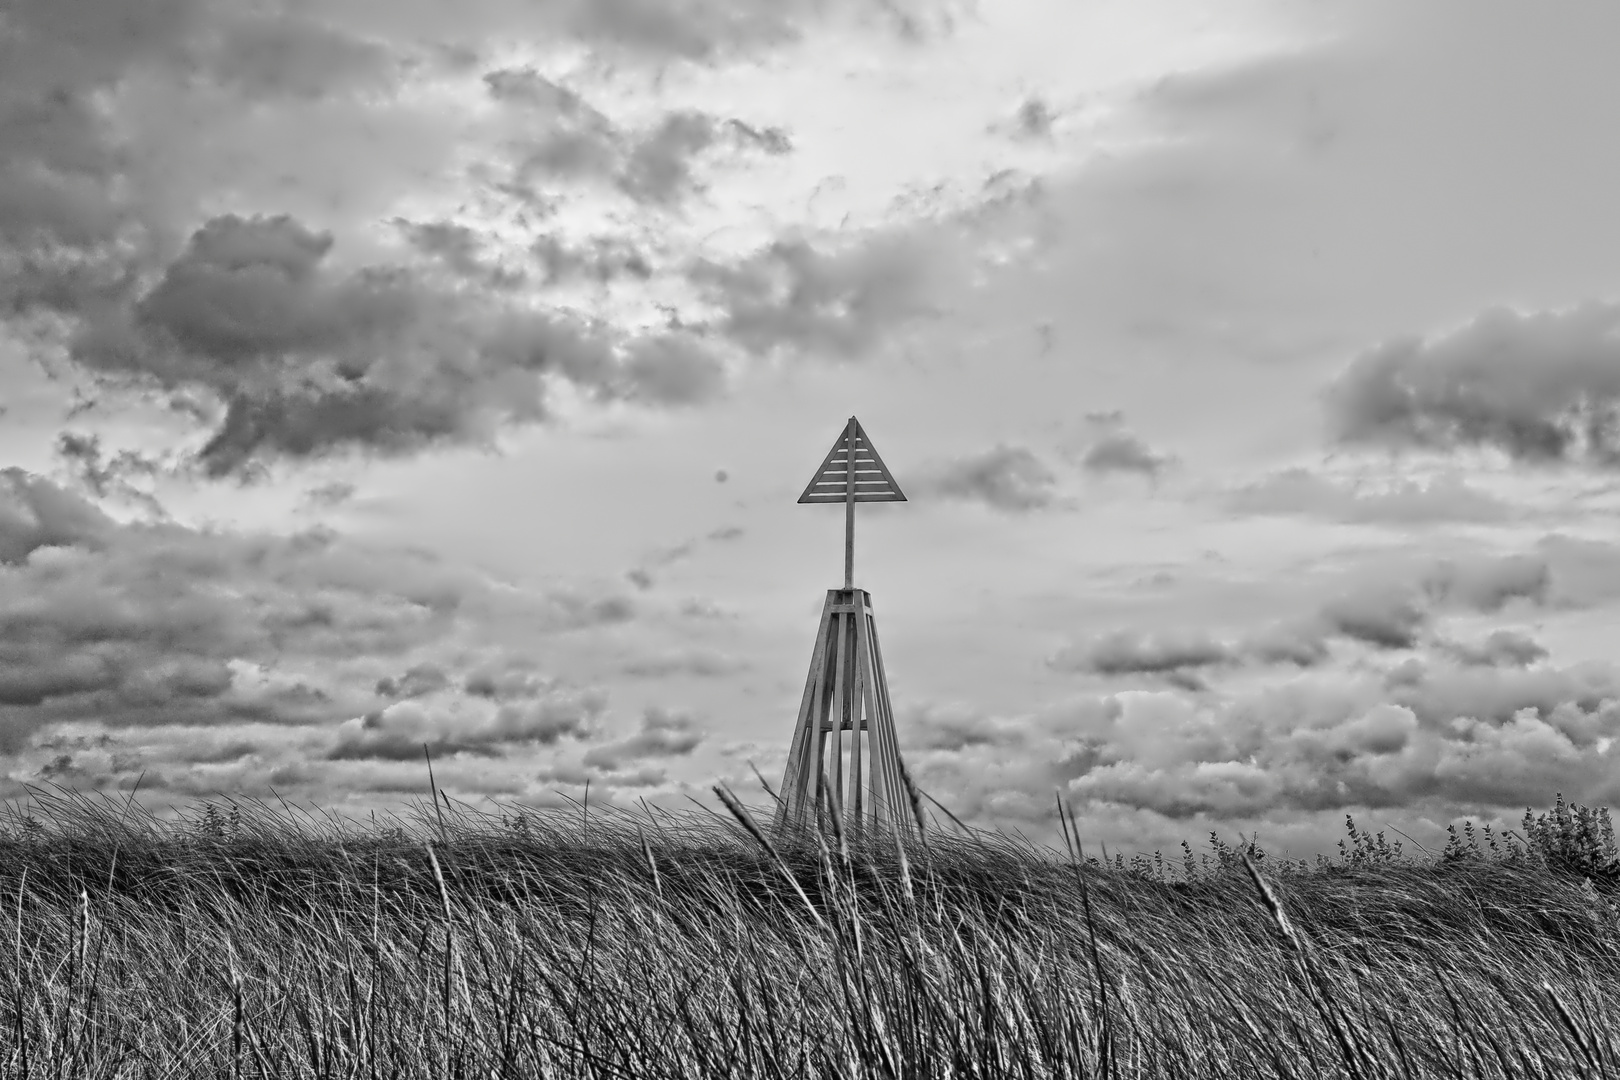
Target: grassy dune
<point>245,941</point>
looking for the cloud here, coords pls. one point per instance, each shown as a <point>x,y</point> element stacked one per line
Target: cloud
<point>288,320</point>
<point>1120,451</point>
<point>661,734</point>
<point>399,731</point>
<point>335,493</point>
<point>1384,612</point>
<point>1404,503</point>
<point>1585,573</point>
<point>698,663</point>
<point>113,477</point>
<point>601,260</point>
<point>1125,652</point>
<point>952,729</point>
<point>1487,584</point>
<point>143,624</point>
<point>309,360</point>
<point>794,296</point>
<point>654,166</point>
<point>1387,618</point>
<point>1540,387</point>
<point>419,681</point>
<point>35,513</point>
<point>642,577</point>
<point>1457,738</point>
<point>1299,643</point>
<point>1007,478</point>
<point>1503,648</point>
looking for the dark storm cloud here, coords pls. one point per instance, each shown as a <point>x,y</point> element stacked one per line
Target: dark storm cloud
<point>1540,387</point>
<point>1006,478</point>
<point>661,734</point>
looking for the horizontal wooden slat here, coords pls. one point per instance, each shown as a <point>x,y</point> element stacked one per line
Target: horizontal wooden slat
<point>872,481</point>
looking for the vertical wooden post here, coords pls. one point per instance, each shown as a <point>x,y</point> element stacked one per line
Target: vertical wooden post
<point>849,509</point>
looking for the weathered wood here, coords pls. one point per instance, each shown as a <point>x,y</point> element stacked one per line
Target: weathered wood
<point>847,691</point>
<point>874,482</point>
<point>849,512</point>
<point>798,762</point>
<point>847,687</point>
<point>840,710</point>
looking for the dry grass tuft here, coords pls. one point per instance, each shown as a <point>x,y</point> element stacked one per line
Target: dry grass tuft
<point>246,942</point>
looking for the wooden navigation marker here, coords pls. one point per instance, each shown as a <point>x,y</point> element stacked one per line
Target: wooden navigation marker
<point>852,472</point>
<point>846,689</point>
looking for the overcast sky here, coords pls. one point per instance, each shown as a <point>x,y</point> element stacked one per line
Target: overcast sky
<point>386,372</point>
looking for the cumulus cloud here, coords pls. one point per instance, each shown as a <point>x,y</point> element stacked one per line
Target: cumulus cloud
<point>661,734</point>
<point>794,296</point>
<point>1502,648</point>
<point>1487,584</point>
<point>1478,736</point>
<point>35,513</point>
<point>281,321</point>
<point>119,476</point>
<point>1404,503</point>
<point>399,731</point>
<point>1125,652</point>
<point>1006,478</point>
<point>655,166</point>
<point>951,729</point>
<point>135,625</point>
<point>1385,613</point>
<point>308,360</point>
<point>1120,451</point>
<point>420,680</point>
<point>1386,618</point>
<point>1540,387</point>
<point>1300,643</point>
<point>698,663</point>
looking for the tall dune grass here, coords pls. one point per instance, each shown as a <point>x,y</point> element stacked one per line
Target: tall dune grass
<point>243,941</point>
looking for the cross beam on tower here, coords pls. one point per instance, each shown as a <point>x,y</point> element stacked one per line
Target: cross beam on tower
<point>847,690</point>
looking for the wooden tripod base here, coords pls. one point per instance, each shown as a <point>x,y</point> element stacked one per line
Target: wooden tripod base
<point>845,691</point>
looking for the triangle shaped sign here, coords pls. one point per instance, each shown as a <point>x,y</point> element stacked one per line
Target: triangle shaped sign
<point>872,479</point>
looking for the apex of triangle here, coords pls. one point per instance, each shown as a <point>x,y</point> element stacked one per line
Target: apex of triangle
<point>871,479</point>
